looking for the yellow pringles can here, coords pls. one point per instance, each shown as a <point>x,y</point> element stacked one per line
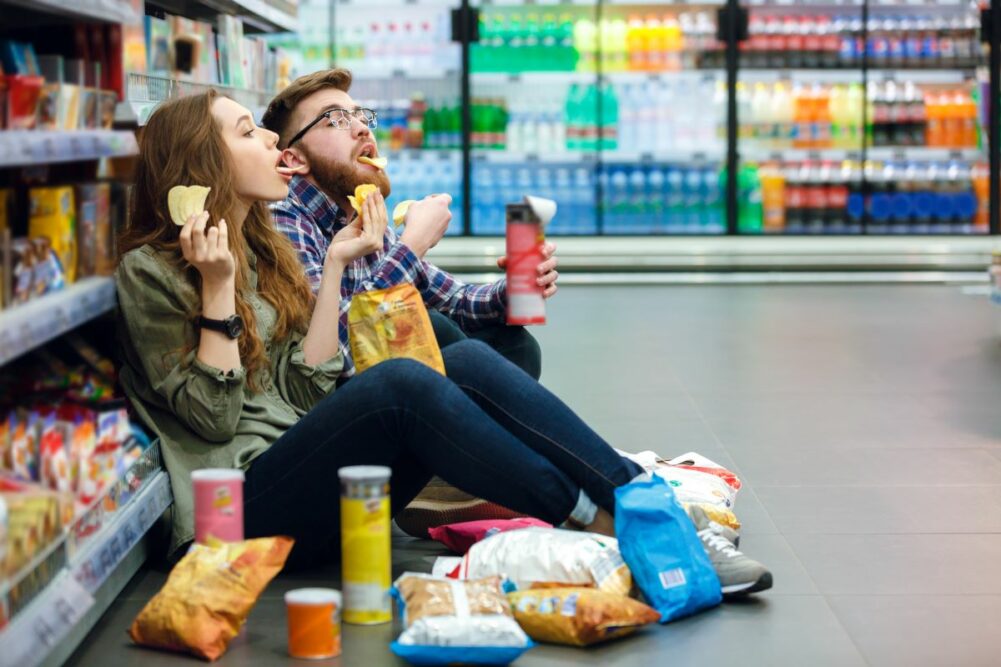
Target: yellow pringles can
<point>365,544</point>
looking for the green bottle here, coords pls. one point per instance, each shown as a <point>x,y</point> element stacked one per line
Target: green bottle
<point>750,211</point>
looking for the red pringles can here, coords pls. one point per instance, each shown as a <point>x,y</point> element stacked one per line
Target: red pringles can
<point>526,222</point>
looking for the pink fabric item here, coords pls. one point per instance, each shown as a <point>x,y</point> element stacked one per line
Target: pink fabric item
<point>460,536</point>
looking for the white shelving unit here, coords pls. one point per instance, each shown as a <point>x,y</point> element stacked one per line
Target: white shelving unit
<point>144,91</point>
<point>30,325</point>
<point>88,572</point>
<point>113,11</point>
<point>27,147</point>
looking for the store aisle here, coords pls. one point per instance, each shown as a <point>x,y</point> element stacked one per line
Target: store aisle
<point>865,423</point>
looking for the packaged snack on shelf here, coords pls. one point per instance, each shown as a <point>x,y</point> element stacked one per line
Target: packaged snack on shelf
<point>35,517</point>
<point>578,616</point>
<point>449,621</point>
<point>459,537</point>
<point>53,216</point>
<point>208,596</point>
<point>24,445</point>
<point>664,553</point>
<point>55,470</point>
<point>542,557</point>
<point>47,272</point>
<point>23,92</point>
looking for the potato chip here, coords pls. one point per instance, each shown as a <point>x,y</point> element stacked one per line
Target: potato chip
<point>377,162</point>
<point>361,194</point>
<point>184,201</point>
<point>400,211</point>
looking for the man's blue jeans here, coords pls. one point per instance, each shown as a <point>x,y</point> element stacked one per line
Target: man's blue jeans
<point>488,429</point>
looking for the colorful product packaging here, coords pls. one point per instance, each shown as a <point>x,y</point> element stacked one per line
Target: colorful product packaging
<point>53,216</point>
<point>218,504</point>
<point>314,623</point>
<point>365,544</point>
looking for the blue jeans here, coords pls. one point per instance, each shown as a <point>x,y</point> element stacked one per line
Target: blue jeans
<point>514,343</point>
<point>488,429</point>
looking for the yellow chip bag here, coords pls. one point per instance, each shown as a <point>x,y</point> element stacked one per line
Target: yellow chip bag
<point>392,323</point>
<point>578,616</point>
<point>720,515</point>
<point>208,596</point>
<point>361,194</point>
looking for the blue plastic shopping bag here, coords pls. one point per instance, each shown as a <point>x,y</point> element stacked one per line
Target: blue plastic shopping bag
<point>659,543</point>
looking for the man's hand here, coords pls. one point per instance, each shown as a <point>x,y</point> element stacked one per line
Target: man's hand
<point>363,236</point>
<point>546,270</point>
<point>426,223</point>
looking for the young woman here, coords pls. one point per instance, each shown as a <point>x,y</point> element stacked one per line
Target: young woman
<point>231,360</point>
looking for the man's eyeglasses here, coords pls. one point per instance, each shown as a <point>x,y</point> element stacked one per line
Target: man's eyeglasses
<point>340,119</point>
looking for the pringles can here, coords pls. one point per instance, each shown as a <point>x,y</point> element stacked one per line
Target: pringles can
<point>365,544</point>
<point>526,222</point>
<point>314,623</point>
<point>218,504</point>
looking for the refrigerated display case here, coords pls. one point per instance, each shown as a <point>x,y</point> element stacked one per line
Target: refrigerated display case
<point>407,67</point>
<point>863,119</point>
<point>835,117</point>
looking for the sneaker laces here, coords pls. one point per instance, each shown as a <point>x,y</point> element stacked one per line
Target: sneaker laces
<point>718,542</point>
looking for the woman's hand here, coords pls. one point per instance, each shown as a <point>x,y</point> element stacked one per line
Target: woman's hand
<point>208,249</point>
<point>363,236</point>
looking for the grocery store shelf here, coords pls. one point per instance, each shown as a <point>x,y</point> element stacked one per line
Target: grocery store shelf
<point>366,74</point>
<point>809,76</point>
<point>518,157</point>
<point>918,153</point>
<point>58,617</point>
<point>551,78</point>
<point>267,15</point>
<point>19,148</point>
<point>678,156</point>
<point>113,11</point>
<point>422,155</point>
<point>649,254</point>
<point>27,326</point>
<point>144,91</point>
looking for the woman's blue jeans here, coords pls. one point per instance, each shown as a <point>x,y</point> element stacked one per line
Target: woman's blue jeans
<point>488,429</point>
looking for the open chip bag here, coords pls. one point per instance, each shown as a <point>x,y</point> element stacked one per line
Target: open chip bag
<point>664,553</point>
<point>392,323</point>
<point>545,557</point>
<point>578,616</point>
<point>449,622</point>
<point>208,596</point>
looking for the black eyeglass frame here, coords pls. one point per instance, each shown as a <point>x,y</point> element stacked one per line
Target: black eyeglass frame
<point>371,119</point>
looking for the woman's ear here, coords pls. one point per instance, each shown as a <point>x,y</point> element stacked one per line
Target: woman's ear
<point>295,161</point>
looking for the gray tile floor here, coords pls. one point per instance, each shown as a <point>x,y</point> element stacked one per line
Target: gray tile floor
<point>866,424</point>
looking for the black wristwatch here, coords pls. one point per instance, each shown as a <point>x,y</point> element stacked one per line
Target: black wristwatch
<point>232,326</point>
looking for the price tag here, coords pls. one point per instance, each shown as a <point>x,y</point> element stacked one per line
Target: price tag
<point>646,158</point>
<point>514,78</point>
<point>45,623</point>
<point>699,157</point>
<point>76,147</point>
<point>956,154</point>
<point>531,157</point>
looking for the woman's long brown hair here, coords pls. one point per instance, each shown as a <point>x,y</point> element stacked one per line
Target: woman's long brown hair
<point>181,144</point>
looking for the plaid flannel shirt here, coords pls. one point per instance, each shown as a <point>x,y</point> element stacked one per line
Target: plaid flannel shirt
<point>309,219</point>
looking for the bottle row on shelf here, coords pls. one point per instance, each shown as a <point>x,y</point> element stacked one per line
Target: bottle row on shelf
<point>415,178</point>
<point>817,116</point>
<point>886,40</point>
<point>538,40</point>
<point>805,197</point>
<point>374,41</point>
<point>902,197</point>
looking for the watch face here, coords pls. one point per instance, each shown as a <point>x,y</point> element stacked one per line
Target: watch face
<point>234,326</point>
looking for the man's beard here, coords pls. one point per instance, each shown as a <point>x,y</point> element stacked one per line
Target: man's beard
<point>337,179</point>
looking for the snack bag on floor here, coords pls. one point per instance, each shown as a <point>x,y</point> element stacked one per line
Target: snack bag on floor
<point>459,537</point>
<point>544,557</point>
<point>208,596</point>
<point>451,622</point>
<point>578,616</point>
<point>663,551</point>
